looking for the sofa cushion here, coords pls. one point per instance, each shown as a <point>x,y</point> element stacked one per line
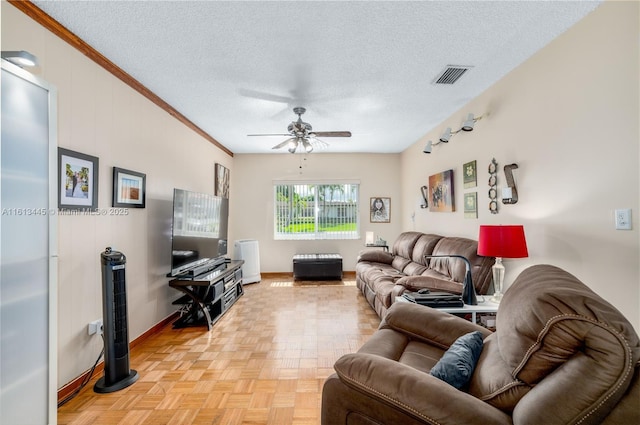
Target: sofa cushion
<point>383,287</point>
<point>458,362</point>
<point>414,268</point>
<point>403,246</point>
<point>420,356</point>
<point>416,263</point>
<point>424,246</point>
<point>454,267</point>
<point>375,256</point>
<point>492,381</point>
<point>399,262</point>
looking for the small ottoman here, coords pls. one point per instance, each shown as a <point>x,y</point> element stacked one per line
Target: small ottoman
<point>317,267</point>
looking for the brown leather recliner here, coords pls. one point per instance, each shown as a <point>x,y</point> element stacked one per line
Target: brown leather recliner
<point>560,355</point>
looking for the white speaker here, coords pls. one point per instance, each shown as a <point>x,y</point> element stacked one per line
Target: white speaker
<point>248,250</point>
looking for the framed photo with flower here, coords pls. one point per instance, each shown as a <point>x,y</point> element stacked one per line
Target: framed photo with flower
<point>470,174</point>
<point>471,205</point>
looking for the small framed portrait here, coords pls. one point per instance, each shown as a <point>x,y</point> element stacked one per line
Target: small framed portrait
<point>77,180</point>
<point>128,188</point>
<point>380,210</point>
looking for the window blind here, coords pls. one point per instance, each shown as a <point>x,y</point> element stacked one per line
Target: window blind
<point>315,211</point>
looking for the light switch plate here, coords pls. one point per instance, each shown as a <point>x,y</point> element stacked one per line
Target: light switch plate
<point>623,219</point>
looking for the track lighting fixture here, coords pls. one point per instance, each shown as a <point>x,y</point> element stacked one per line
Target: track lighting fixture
<point>447,135</point>
<point>467,125</point>
<point>20,58</point>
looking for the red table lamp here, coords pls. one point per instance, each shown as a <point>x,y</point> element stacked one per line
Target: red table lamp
<point>501,242</point>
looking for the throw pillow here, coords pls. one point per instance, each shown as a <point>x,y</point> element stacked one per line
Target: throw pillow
<point>458,362</point>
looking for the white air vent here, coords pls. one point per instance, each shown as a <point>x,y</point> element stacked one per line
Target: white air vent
<point>451,74</point>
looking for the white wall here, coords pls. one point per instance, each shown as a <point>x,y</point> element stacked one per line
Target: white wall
<point>252,200</point>
<point>569,118</point>
<point>101,116</point>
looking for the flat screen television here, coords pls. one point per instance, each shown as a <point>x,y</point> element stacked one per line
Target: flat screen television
<point>198,231</point>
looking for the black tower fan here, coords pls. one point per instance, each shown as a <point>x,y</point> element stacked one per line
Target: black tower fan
<point>117,374</point>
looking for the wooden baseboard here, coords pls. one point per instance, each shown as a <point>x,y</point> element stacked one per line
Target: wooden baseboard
<point>72,386</point>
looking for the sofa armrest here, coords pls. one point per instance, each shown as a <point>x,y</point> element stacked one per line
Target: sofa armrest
<point>429,324</point>
<point>416,393</point>
<point>376,256</point>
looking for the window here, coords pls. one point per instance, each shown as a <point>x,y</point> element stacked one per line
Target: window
<point>316,211</point>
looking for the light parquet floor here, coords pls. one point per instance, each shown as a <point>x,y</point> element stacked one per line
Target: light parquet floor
<point>264,361</point>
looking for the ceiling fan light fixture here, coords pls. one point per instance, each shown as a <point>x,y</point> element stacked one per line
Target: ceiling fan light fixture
<point>307,146</point>
<point>293,144</point>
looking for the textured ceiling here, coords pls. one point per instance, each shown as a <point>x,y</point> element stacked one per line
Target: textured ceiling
<point>235,68</point>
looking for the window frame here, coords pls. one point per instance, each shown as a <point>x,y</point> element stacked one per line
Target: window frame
<point>348,206</point>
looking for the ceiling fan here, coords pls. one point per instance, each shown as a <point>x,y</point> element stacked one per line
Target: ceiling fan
<point>300,134</point>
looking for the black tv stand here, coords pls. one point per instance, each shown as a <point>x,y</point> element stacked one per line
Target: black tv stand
<point>209,295</point>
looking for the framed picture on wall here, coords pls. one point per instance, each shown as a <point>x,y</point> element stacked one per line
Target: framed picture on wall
<point>441,192</point>
<point>77,180</point>
<point>471,205</point>
<point>470,174</point>
<point>380,210</point>
<point>222,181</point>
<point>128,188</point>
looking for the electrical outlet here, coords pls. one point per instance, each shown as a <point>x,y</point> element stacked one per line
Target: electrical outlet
<point>623,219</point>
<point>95,327</point>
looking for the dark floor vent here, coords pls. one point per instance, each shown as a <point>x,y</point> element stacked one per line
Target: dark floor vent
<point>451,74</point>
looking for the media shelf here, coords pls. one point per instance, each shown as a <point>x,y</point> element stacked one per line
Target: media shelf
<point>209,295</point>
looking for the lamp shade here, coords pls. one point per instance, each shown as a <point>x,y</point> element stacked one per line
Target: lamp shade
<point>502,241</point>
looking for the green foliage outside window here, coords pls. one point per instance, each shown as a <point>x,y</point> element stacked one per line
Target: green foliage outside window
<point>310,211</point>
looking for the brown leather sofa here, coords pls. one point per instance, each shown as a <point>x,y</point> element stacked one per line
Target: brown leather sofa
<point>382,276</point>
<point>560,355</point>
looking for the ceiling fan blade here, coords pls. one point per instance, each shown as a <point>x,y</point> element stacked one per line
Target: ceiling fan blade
<point>319,144</point>
<point>265,96</point>
<point>330,134</point>
<point>283,144</point>
<point>279,134</point>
